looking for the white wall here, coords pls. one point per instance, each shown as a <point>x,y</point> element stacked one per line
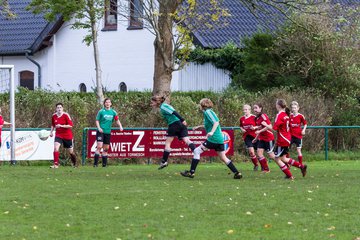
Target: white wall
<point>206,77</point>
<point>125,56</point>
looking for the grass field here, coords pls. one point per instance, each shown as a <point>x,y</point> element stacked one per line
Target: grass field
<point>140,202</point>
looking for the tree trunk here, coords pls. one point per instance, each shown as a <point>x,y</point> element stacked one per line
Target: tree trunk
<point>99,87</point>
<point>163,46</point>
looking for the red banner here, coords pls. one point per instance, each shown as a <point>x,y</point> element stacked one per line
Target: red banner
<point>150,143</point>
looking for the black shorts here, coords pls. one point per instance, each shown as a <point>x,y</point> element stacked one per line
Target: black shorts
<point>66,143</point>
<point>267,146</point>
<point>219,147</point>
<point>281,151</point>
<point>296,141</point>
<point>103,137</point>
<point>177,129</point>
<point>248,142</point>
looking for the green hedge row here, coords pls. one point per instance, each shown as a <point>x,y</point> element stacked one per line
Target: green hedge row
<point>35,108</point>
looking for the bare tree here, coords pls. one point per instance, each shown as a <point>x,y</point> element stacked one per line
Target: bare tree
<point>172,22</point>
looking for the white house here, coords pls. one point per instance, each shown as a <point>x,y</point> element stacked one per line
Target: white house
<point>52,55</point>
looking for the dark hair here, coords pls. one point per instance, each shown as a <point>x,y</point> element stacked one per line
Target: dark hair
<point>282,104</point>
<point>59,104</point>
<point>158,98</point>
<point>260,106</point>
<point>106,100</point>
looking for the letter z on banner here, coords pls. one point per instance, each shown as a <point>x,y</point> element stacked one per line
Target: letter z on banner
<point>150,143</point>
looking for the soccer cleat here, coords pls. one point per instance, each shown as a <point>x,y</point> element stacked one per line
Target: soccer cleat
<point>188,174</point>
<point>163,165</point>
<point>303,170</point>
<point>256,168</point>
<point>265,171</point>
<point>54,166</point>
<point>237,175</point>
<point>290,178</point>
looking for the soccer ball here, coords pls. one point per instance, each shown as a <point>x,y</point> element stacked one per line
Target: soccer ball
<point>44,134</point>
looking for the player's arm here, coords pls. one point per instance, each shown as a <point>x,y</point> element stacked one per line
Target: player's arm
<point>304,129</point>
<point>198,127</point>
<point>98,126</point>
<point>176,114</point>
<point>119,123</point>
<point>241,127</point>
<point>6,123</point>
<point>215,125</point>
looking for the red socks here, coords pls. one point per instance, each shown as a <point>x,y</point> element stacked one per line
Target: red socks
<point>294,163</point>
<point>56,158</point>
<point>300,159</point>
<point>286,171</point>
<point>264,164</point>
<point>254,160</point>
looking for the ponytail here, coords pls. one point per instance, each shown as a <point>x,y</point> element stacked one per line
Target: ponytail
<point>287,110</point>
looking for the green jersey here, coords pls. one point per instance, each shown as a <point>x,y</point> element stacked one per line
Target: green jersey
<point>166,112</point>
<point>209,119</point>
<point>106,118</point>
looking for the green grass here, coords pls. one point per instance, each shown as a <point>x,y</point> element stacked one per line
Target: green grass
<point>140,202</point>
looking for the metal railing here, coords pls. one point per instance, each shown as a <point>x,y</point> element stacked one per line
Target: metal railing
<point>326,135</point>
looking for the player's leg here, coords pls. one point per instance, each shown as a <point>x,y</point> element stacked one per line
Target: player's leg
<point>250,146</point>
<point>104,154</point>
<point>68,144</point>
<point>57,144</point>
<point>298,149</point>
<point>262,146</point>
<point>280,155</point>
<point>294,163</point>
<point>166,153</point>
<point>229,164</point>
<point>99,146</point>
<point>189,143</point>
<point>194,162</point>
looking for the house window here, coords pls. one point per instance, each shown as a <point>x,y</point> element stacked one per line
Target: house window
<point>82,88</point>
<point>122,87</point>
<point>110,15</point>
<point>136,13</point>
<point>27,79</point>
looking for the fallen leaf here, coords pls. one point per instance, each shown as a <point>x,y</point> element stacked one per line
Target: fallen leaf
<point>248,213</point>
<point>230,231</point>
<point>267,226</point>
<point>289,223</point>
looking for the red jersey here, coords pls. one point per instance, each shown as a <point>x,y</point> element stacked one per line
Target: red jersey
<point>267,135</point>
<point>295,124</point>
<point>282,122</point>
<point>64,119</point>
<point>1,125</point>
<point>246,123</point>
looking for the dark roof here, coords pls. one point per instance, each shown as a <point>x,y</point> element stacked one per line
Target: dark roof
<point>26,31</point>
<point>244,23</point>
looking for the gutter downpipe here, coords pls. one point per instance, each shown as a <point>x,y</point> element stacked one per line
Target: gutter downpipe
<point>27,51</point>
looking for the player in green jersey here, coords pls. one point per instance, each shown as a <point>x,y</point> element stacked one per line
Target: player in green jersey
<point>176,127</point>
<point>104,119</point>
<point>215,140</point>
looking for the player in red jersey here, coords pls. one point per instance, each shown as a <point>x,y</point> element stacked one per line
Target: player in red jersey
<point>2,123</point>
<point>247,126</point>
<point>296,121</point>
<point>264,137</point>
<point>282,122</point>
<point>61,121</point>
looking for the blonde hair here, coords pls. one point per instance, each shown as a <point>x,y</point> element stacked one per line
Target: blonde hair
<point>294,103</point>
<point>206,103</point>
<point>247,106</point>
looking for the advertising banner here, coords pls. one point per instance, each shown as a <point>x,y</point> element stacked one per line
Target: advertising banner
<point>28,146</point>
<point>150,143</point>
